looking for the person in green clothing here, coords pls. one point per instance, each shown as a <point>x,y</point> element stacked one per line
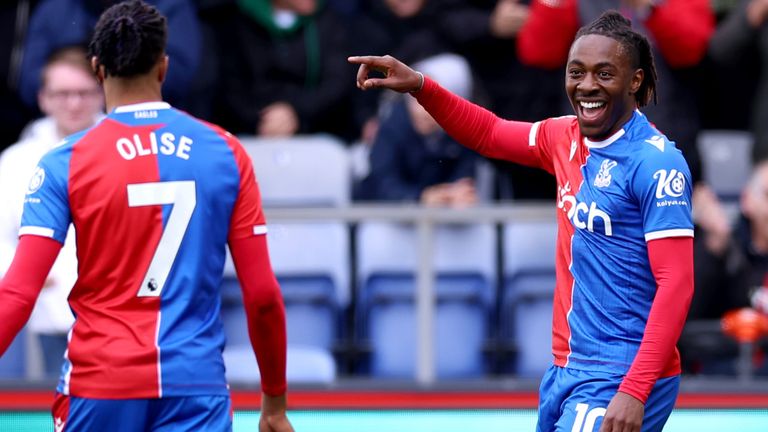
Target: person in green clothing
<point>283,63</point>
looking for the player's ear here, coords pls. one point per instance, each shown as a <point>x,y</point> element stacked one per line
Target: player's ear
<point>637,81</point>
<point>98,70</point>
<point>162,68</point>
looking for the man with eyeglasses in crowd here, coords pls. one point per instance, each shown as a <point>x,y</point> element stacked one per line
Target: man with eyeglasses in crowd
<point>71,99</point>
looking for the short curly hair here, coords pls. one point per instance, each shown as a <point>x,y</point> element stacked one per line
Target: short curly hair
<point>129,39</point>
<point>614,25</point>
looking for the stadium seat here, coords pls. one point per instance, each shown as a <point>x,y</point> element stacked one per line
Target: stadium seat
<point>527,320</point>
<point>303,253</point>
<point>310,258</point>
<point>287,170</point>
<point>527,295</point>
<point>13,363</point>
<point>726,158</point>
<point>304,365</point>
<point>315,286</point>
<point>310,362</point>
<point>465,267</point>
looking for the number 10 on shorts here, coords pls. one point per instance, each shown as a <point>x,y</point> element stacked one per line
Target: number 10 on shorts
<point>586,417</point>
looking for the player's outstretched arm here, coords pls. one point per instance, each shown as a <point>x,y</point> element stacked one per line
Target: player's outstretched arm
<point>22,283</point>
<point>469,124</point>
<point>397,75</point>
<point>266,327</point>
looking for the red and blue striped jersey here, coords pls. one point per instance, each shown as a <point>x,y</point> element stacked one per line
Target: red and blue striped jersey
<point>613,197</point>
<point>154,195</point>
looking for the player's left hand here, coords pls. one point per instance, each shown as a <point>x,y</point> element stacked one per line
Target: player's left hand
<point>273,414</point>
<point>624,414</point>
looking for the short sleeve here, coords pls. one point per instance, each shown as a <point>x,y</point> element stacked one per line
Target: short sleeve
<point>663,187</point>
<point>247,215</point>
<point>46,202</point>
<point>544,136</point>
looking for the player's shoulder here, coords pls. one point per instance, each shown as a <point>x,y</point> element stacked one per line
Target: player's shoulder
<point>231,140</point>
<point>223,133</point>
<point>55,162</point>
<point>198,125</point>
<point>553,127</point>
<point>645,135</point>
<point>564,122</point>
<point>651,147</point>
<point>63,149</point>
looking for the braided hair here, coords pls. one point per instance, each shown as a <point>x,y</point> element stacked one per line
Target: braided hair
<point>129,39</point>
<point>615,26</point>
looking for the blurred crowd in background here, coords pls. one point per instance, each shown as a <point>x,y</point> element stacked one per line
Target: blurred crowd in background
<point>278,68</point>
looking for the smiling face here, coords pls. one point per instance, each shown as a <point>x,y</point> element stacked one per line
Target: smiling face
<point>601,83</point>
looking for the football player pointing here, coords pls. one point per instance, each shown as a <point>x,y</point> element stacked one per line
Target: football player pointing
<point>625,233</point>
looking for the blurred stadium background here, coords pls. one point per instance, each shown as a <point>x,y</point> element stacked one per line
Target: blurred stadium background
<point>402,317</point>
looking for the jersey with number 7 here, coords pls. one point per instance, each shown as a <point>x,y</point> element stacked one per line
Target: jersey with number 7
<point>154,195</point>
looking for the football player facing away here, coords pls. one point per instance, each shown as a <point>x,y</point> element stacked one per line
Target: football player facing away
<point>155,196</point>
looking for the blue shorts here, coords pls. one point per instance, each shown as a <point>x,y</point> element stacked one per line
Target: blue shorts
<point>575,400</point>
<point>177,414</point>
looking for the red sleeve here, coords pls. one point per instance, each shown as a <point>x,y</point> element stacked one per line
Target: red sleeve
<point>681,29</point>
<point>264,309</point>
<point>247,216</point>
<point>22,283</point>
<point>672,265</point>
<point>476,127</point>
<point>546,37</point>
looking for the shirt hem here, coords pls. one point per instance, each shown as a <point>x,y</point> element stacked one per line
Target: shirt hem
<point>622,369</point>
<point>134,393</point>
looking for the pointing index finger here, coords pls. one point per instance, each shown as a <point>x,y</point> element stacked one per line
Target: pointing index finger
<point>361,59</point>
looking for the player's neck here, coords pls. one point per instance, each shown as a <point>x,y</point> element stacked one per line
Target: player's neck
<point>119,91</point>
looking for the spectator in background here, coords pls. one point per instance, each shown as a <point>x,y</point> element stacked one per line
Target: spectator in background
<point>740,38</point>
<point>731,270</point>
<point>485,32</point>
<point>14,20</point>
<point>282,68</point>
<point>72,100</point>
<point>412,158</point>
<point>410,30</point>
<point>347,8</point>
<point>60,23</point>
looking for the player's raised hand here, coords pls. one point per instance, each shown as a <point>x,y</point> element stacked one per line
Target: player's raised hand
<point>397,75</point>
